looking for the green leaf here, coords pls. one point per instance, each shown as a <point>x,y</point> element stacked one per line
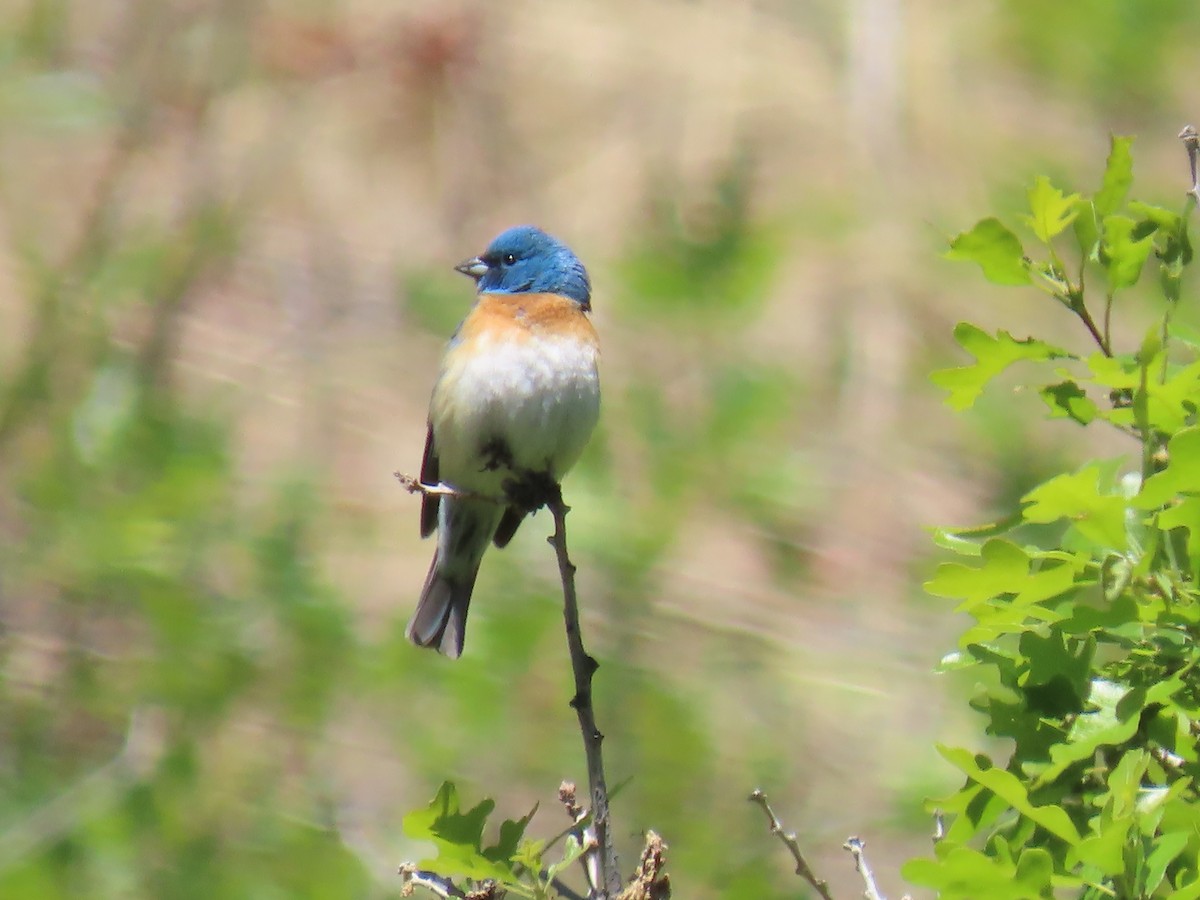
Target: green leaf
<point>1111,617</point>
<point>965,540</point>
<point>457,836</point>
<point>1104,850</point>
<point>1171,243</point>
<point>1051,211</point>
<point>1185,513</point>
<point>1124,250</point>
<point>1166,848</point>
<point>572,850</point>
<point>1172,405</point>
<point>992,356</point>
<point>1067,400</point>
<point>961,872</point>
<point>1125,782</point>
<point>1005,570</point>
<point>1181,476</point>
<point>1087,500</point>
<point>1007,786</point>
<point>1035,871</point>
<point>512,832</point>
<point>1098,727</point>
<point>529,855</point>
<point>996,249</point>
<point>1118,176</point>
<point>1087,230</point>
<point>1052,655</point>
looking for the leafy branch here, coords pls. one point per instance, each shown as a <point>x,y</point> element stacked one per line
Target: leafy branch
<point>590,837</point>
<point>1085,633</point>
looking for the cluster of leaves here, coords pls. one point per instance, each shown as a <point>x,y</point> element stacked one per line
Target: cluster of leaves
<point>514,863</point>
<point>1084,602</point>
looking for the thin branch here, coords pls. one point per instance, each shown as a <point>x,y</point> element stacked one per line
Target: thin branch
<point>857,848</point>
<point>1108,305</point>
<point>445,887</point>
<point>789,840</point>
<point>441,489</point>
<point>584,832</point>
<point>584,667</point>
<point>414,877</point>
<point>1086,317</point>
<point>1191,142</point>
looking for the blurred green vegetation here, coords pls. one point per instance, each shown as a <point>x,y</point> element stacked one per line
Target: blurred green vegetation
<point>207,333</point>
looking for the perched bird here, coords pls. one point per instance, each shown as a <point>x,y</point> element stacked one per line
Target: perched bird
<point>514,404</point>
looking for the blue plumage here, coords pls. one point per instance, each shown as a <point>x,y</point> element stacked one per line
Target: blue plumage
<point>525,259</point>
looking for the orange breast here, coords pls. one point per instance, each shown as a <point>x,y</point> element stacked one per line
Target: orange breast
<point>524,316</point>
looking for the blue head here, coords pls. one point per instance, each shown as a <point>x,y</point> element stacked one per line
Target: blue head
<point>526,260</point>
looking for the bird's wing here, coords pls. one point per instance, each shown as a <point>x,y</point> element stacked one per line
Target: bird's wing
<point>429,475</point>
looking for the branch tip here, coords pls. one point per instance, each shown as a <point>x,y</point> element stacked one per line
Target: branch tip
<point>857,847</point>
<point>789,840</point>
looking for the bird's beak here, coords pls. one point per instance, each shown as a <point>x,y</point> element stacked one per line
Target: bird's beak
<point>475,267</point>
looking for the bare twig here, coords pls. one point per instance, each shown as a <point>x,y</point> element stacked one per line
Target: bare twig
<point>444,887</point>
<point>1191,143</point>
<point>441,489</point>
<point>584,832</point>
<point>414,877</point>
<point>857,849</point>
<point>789,840</point>
<point>584,667</point>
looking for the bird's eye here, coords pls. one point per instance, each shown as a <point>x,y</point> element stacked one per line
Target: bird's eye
<point>509,259</point>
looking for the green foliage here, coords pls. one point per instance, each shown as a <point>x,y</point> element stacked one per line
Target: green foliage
<point>1084,647</point>
<point>515,862</point>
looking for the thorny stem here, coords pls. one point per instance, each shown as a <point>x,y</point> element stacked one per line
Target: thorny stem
<point>600,858</point>
<point>789,840</point>
<point>584,667</point>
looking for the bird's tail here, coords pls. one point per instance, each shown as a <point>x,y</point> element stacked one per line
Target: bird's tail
<point>465,528</point>
<point>441,617</point>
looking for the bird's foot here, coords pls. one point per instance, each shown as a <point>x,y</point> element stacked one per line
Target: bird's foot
<point>530,491</point>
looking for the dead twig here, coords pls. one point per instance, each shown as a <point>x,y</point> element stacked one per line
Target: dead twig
<point>416,486</point>
<point>857,849</point>
<point>789,840</point>
<point>1191,143</point>
<point>583,831</point>
<point>444,887</point>
<point>650,881</point>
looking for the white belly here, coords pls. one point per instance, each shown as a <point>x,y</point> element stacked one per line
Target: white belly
<point>539,398</point>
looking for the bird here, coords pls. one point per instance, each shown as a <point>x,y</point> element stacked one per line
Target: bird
<point>515,402</point>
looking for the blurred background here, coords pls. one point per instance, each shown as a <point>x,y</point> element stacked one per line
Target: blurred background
<point>226,238</point>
